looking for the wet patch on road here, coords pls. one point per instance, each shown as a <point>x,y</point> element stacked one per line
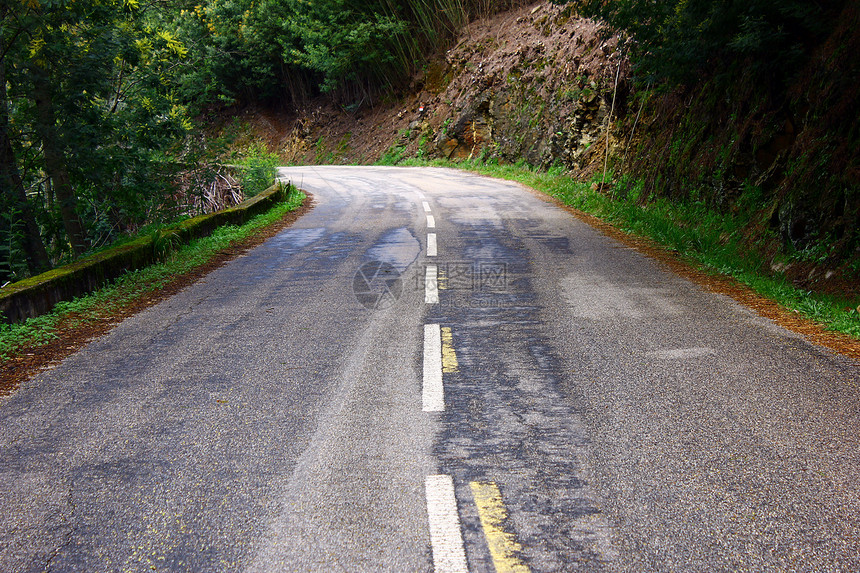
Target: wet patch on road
<point>398,248</point>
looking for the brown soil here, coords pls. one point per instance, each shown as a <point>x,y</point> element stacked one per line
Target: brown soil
<point>73,335</point>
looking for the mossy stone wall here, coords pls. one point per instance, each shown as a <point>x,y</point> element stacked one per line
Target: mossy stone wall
<point>37,295</point>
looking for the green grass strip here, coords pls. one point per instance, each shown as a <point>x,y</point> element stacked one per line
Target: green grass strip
<point>132,286</point>
<point>697,234</point>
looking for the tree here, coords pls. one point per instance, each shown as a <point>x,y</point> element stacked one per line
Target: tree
<point>676,40</point>
<point>89,112</point>
<point>14,199</point>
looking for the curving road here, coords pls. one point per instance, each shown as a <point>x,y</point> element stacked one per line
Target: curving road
<point>434,371</point>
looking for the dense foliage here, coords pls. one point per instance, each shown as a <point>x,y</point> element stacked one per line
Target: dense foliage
<point>754,99</point>
<point>85,109</point>
<point>287,50</point>
<point>678,40</point>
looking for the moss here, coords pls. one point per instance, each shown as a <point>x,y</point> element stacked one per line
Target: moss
<point>36,295</point>
<point>76,267</point>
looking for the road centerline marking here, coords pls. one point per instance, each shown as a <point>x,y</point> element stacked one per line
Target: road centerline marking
<point>446,540</point>
<point>449,355</point>
<point>431,245</point>
<point>504,548</point>
<point>431,222</point>
<point>431,284</point>
<point>426,206</point>
<point>433,391</point>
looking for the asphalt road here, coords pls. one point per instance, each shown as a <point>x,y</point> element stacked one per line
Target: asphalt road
<point>436,371</point>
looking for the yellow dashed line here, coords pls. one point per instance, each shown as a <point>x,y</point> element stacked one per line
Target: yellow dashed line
<point>504,547</point>
<point>449,355</point>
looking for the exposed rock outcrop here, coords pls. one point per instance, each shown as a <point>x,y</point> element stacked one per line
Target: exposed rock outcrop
<point>535,84</point>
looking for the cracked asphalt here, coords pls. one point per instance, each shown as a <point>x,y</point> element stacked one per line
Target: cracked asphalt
<point>269,417</point>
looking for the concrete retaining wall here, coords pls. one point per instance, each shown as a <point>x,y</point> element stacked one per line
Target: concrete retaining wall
<point>37,295</point>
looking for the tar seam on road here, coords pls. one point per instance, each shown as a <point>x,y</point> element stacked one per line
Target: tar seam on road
<point>446,540</point>
<point>433,392</point>
<point>431,222</point>
<point>431,245</point>
<point>504,547</point>
<point>431,285</point>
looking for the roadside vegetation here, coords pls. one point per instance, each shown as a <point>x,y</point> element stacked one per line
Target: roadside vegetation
<point>748,108</point>
<point>258,169</point>
<point>109,301</point>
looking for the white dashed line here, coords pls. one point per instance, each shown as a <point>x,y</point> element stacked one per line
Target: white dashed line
<point>426,206</point>
<point>431,244</point>
<point>431,222</point>
<point>446,540</point>
<point>431,286</point>
<point>432,393</point>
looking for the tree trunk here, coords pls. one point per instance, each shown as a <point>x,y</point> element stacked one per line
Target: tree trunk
<point>55,160</point>
<point>13,193</point>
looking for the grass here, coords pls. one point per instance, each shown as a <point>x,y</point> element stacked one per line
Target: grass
<point>259,169</point>
<point>134,285</point>
<point>394,155</point>
<point>705,238</point>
